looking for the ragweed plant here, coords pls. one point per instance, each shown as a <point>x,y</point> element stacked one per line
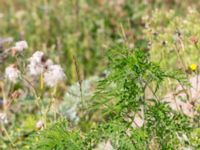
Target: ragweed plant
<point>132,77</point>
<point>133,120</point>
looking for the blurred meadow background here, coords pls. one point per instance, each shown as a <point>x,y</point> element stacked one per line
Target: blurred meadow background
<point>79,35</point>
<point>79,28</point>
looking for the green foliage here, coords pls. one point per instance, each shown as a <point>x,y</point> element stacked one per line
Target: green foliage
<point>124,91</point>
<point>57,137</point>
<point>163,124</point>
<point>119,134</point>
<point>131,73</point>
<point>195,138</point>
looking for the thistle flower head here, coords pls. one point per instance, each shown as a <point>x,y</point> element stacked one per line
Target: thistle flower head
<point>12,73</point>
<point>36,57</point>
<point>54,75</point>
<point>48,63</point>
<point>38,63</point>
<point>20,46</point>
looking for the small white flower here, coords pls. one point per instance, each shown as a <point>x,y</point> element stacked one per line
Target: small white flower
<point>54,75</point>
<point>38,63</point>
<point>3,118</point>
<point>40,124</point>
<point>20,46</point>
<point>12,73</point>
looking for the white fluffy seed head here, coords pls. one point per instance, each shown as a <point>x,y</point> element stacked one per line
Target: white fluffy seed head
<point>38,63</point>
<point>20,46</point>
<point>35,69</point>
<point>48,63</point>
<point>54,75</point>
<point>37,57</point>
<point>12,73</point>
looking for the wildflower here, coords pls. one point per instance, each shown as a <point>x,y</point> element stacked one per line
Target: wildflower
<point>40,125</point>
<point>193,39</point>
<point>3,118</point>
<point>54,75</point>
<point>20,46</point>
<point>35,69</point>
<point>37,57</point>
<point>48,63</point>
<point>38,63</point>
<point>12,73</point>
<point>193,67</point>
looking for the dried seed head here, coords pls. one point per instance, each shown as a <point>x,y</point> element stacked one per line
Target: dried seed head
<point>38,63</point>
<point>54,75</point>
<point>20,46</point>
<point>12,73</point>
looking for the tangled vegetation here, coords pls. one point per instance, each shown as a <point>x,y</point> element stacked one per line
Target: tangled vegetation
<point>99,75</point>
